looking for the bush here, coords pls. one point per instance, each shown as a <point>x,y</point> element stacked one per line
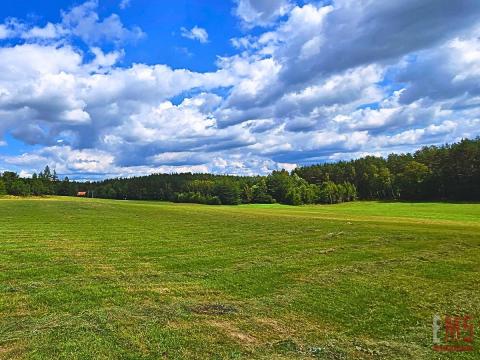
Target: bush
<point>197,198</point>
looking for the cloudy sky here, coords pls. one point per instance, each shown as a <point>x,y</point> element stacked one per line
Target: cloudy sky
<point>106,88</point>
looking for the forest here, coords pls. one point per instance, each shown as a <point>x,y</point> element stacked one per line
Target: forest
<point>433,173</point>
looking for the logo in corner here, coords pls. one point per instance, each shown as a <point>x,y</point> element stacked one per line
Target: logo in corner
<point>453,333</point>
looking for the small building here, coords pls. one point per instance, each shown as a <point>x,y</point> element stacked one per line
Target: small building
<point>82,193</point>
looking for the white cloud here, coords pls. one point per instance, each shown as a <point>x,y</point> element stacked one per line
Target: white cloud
<point>4,32</point>
<point>81,21</point>
<point>450,70</point>
<point>84,22</point>
<point>195,33</point>
<point>124,4</point>
<point>49,31</point>
<point>25,62</point>
<point>261,12</point>
<point>104,60</point>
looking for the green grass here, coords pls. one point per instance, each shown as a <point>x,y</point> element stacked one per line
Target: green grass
<point>98,279</point>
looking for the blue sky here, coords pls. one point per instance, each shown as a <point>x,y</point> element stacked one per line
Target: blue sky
<point>100,88</point>
<point>162,43</point>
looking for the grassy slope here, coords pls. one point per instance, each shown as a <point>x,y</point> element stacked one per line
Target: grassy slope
<point>84,278</point>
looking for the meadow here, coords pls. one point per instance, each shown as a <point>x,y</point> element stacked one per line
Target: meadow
<point>105,279</point>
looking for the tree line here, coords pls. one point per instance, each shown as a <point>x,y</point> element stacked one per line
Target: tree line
<point>280,186</point>
<point>449,172</point>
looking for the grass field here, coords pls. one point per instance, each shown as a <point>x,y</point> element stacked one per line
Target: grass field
<point>99,279</point>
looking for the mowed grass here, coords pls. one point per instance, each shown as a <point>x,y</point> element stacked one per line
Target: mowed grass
<point>99,279</point>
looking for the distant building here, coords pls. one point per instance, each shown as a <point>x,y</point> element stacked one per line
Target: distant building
<point>82,193</point>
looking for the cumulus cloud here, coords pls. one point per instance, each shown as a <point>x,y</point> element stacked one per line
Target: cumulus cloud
<point>84,22</point>
<point>449,71</point>
<point>261,12</point>
<point>125,112</point>
<point>305,88</point>
<point>383,30</point>
<point>195,33</point>
<point>81,21</point>
<point>317,41</point>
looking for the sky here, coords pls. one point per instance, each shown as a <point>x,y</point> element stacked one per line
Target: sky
<point>108,88</point>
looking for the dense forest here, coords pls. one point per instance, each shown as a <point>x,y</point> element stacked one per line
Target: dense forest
<point>449,172</point>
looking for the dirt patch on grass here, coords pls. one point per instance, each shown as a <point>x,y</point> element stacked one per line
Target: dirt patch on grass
<point>274,326</point>
<point>233,332</point>
<point>213,309</point>
<point>13,350</point>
